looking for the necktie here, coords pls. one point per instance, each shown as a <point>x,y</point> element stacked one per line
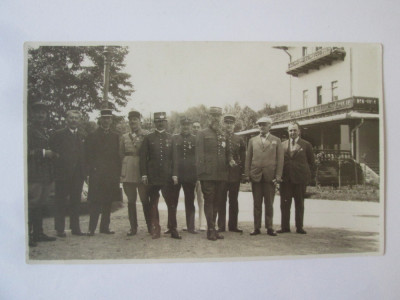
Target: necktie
<point>293,142</point>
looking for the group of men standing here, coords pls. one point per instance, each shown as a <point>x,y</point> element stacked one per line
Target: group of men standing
<point>210,164</point>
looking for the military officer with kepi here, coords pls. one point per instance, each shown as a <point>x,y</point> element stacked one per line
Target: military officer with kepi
<point>129,150</point>
<point>102,157</point>
<point>212,158</point>
<point>237,148</point>
<point>184,169</point>
<point>156,171</point>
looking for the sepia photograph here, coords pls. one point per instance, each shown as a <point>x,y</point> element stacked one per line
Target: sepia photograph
<point>202,151</point>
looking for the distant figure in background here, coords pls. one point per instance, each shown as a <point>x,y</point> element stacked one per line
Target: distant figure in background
<point>40,176</point>
<point>129,150</point>
<point>237,149</point>
<point>156,171</point>
<point>102,157</point>
<point>297,173</point>
<point>199,194</point>
<point>264,163</point>
<point>184,169</point>
<point>69,173</point>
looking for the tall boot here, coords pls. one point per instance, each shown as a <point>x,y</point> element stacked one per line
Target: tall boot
<point>131,215</point>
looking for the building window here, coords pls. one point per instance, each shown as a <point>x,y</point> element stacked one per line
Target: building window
<point>305,98</point>
<point>334,87</point>
<point>304,51</point>
<point>319,95</point>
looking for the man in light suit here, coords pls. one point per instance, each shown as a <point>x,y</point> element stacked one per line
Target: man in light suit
<point>264,164</point>
<point>297,172</point>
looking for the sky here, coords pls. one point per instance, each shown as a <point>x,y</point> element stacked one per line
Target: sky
<point>173,76</point>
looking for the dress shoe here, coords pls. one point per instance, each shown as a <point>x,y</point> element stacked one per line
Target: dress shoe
<point>283,231</point>
<point>132,232</point>
<point>175,235</point>
<point>255,232</point>
<point>90,233</point>
<point>61,234</point>
<point>271,232</point>
<point>221,229</point>
<point>45,238</point>
<point>219,236</point>
<point>301,231</point>
<point>107,231</point>
<point>78,233</point>
<point>192,231</point>
<point>168,231</point>
<point>155,235</point>
<point>236,230</point>
<point>211,235</point>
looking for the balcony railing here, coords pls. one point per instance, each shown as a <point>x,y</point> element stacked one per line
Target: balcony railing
<point>324,56</point>
<point>359,104</point>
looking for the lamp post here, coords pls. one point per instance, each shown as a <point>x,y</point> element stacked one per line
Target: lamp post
<point>107,63</point>
<point>285,48</point>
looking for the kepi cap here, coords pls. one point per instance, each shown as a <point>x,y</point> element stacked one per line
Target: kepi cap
<point>106,112</point>
<point>229,118</point>
<point>160,116</point>
<point>134,114</point>
<point>215,110</point>
<point>185,120</point>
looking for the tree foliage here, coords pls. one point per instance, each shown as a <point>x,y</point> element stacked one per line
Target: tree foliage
<point>71,77</point>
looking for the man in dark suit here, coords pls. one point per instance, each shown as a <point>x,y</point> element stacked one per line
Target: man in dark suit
<point>184,169</point>
<point>40,172</point>
<point>102,157</point>
<point>69,173</point>
<point>297,172</point>
<point>212,160</point>
<point>156,171</point>
<point>237,148</point>
<point>264,163</point>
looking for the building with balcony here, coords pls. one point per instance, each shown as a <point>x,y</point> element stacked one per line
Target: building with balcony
<point>336,94</point>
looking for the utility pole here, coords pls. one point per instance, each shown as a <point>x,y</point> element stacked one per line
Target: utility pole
<point>285,48</point>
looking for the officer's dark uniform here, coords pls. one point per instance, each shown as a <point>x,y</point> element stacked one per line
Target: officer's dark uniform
<point>102,157</point>
<point>212,157</point>
<point>237,148</point>
<point>156,164</point>
<point>184,167</point>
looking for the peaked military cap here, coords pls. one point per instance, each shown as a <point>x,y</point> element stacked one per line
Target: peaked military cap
<point>106,112</point>
<point>160,116</point>
<point>215,110</point>
<point>229,118</point>
<point>264,120</point>
<point>134,114</point>
<point>185,120</point>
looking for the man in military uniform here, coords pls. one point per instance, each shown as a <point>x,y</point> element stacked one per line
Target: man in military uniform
<point>129,149</point>
<point>212,157</point>
<point>40,174</point>
<point>184,169</point>
<point>102,157</point>
<point>196,127</point>
<point>156,171</point>
<point>235,175</point>
<point>69,173</point>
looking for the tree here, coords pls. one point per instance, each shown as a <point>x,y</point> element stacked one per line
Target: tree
<point>70,77</point>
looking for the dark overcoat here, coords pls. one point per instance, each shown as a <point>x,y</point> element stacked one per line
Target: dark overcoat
<point>70,149</point>
<point>103,164</point>
<point>156,158</point>
<point>184,158</point>
<point>40,169</point>
<point>212,155</point>
<point>298,166</point>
